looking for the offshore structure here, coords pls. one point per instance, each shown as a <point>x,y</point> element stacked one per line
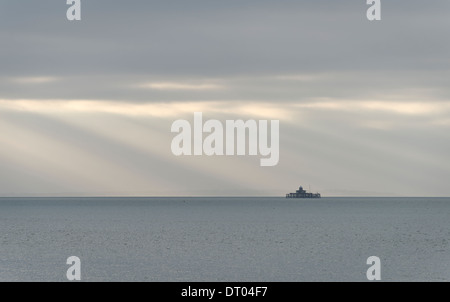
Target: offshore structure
<point>301,193</point>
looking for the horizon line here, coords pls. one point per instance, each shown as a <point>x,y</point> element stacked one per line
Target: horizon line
<point>221,196</point>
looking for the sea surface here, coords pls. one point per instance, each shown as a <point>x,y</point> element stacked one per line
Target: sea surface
<point>224,239</point>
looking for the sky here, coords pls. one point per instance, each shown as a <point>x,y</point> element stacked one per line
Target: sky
<point>86,107</point>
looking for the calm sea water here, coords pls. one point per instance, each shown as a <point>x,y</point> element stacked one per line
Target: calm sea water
<point>224,239</point>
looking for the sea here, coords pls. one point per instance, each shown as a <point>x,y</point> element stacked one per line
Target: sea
<point>209,239</point>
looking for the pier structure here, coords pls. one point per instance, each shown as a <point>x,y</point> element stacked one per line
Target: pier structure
<point>301,193</point>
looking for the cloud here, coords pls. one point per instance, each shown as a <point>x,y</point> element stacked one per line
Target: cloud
<point>165,110</point>
<point>429,108</point>
<point>179,86</point>
<point>34,80</point>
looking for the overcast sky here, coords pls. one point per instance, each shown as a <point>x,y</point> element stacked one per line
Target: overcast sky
<point>86,107</point>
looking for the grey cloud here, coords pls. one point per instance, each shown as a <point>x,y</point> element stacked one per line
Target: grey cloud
<point>221,37</point>
<point>278,88</point>
<point>146,40</point>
